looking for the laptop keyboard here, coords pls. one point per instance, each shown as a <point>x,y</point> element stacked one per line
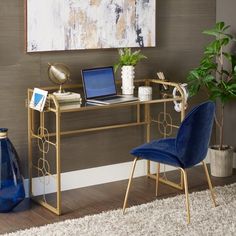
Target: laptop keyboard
<point>109,98</point>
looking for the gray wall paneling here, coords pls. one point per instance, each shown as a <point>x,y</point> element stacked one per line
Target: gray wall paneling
<point>179,48</point>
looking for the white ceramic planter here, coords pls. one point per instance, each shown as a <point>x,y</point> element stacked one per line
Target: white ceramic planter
<point>221,162</point>
<point>127,76</point>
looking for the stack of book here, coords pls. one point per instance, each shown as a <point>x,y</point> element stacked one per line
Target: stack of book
<point>69,100</point>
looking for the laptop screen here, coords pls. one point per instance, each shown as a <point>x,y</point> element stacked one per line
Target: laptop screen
<point>99,82</point>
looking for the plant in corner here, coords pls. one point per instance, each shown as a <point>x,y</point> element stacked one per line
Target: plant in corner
<point>217,75</point>
<point>127,61</point>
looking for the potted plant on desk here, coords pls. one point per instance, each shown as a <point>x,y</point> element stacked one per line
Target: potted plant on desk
<point>217,75</point>
<point>127,61</point>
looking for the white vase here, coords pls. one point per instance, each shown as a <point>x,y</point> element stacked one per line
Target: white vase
<point>127,76</point>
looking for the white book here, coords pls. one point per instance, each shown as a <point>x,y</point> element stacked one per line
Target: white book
<point>72,105</point>
<point>70,96</point>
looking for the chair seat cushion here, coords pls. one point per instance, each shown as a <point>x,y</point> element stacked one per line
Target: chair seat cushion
<point>162,151</point>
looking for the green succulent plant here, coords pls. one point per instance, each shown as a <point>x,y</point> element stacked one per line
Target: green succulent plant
<point>216,72</point>
<point>128,58</point>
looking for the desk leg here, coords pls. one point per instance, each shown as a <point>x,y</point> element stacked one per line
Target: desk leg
<point>182,118</point>
<point>148,131</point>
<point>42,133</point>
<point>58,159</point>
<point>30,144</point>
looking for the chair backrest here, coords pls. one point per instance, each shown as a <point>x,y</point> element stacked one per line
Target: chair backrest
<point>194,134</point>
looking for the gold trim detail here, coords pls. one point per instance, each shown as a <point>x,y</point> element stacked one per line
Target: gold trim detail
<point>165,124</point>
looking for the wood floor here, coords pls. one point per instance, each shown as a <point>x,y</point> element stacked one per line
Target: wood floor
<point>92,200</point>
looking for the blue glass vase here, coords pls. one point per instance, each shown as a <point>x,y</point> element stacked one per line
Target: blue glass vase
<point>12,190</point>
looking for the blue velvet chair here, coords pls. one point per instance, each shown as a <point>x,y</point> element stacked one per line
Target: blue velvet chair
<point>186,150</point>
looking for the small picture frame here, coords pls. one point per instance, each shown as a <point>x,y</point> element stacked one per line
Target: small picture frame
<point>38,99</point>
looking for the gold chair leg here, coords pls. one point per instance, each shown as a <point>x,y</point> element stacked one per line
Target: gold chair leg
<point>129,183</point>
<point>157,178</point>
<point>181,180</point>
<point>209,183</point>
<point>186,194</point>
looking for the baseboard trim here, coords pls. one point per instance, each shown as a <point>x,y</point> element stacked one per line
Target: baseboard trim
<point>92,176</point>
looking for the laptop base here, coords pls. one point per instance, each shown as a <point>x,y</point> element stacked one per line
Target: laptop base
<point>110,100</point>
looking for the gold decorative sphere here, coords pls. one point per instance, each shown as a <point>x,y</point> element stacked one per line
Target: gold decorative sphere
<point>59,74</point>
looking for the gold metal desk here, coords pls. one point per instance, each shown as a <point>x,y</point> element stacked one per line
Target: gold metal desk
<point>40,133</point>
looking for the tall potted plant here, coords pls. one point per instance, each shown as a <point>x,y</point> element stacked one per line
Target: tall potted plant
<point>217,75</point>
<point>127,62</point>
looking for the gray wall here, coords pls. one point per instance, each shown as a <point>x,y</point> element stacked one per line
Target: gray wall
<point>225,11</point>
<point>179,48</point>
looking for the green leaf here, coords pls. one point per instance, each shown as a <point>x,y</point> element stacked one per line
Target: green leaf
<point>214,47</point>
<point>193,83</point>
<point>232,86</point>
<point>121,52</point>
<point>223,86</point>
<point>218,31</point>
<point>136,53</point>
<point>195,74</point>
<point>231,58</point>
<point>127,57</point>
<point>193,88</point>
<point>220,25</point>
<point>224,99</point>
<point>229,36</point>
<point>207,65</point>
<point>226,27</point>
<point>224,41</point>
<point>208,79</point>
<point>211,32</point>
<point>233,61</point>
<point>116,66</point>
<point>215,93</point>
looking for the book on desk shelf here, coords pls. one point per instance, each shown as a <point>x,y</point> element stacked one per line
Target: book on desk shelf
<point>70,105</point>
<point>68,98</point>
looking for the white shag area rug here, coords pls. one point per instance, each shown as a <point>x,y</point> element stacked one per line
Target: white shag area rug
<point>160,217</point>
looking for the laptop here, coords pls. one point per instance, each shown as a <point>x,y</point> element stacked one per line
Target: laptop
<point>100,88</point>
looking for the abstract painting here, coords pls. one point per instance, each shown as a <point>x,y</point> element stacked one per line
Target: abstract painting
<point>75,24</point>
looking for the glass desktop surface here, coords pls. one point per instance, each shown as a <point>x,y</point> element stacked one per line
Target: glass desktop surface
<point>155,96</point>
